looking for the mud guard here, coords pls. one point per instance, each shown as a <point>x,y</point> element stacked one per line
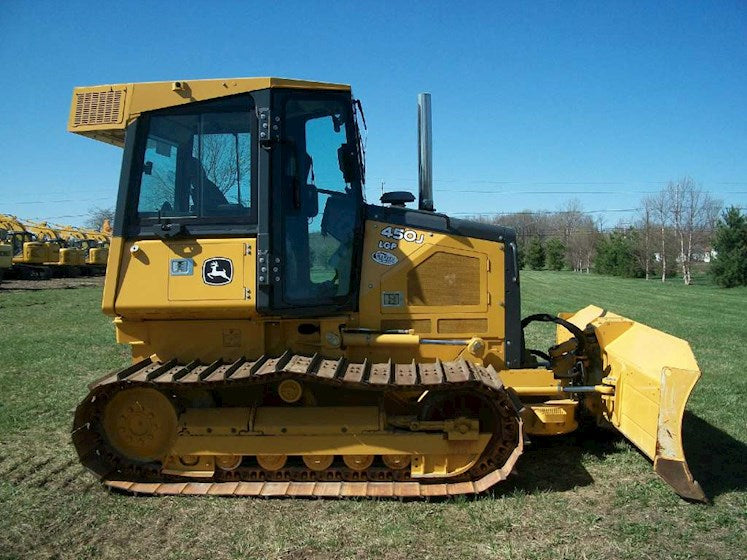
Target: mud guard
<point>653,374</point>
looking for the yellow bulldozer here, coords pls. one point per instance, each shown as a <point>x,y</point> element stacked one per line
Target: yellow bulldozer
<point>289,339</point>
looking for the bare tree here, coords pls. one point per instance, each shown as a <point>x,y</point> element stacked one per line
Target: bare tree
<point>581,244</point>
<point>578,233</point>
<point>691,211</point>
<point>225,159</point>
<point>675,193</point>
<point>645,240</point>
<point>660,211</point>
<point>569,218</point>
<point>528,224</point>
<point>96,217</point>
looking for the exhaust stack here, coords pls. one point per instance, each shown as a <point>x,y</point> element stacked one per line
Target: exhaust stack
<point>425,153</point>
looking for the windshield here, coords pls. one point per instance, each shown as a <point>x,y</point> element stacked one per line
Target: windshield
<point>197,164</point>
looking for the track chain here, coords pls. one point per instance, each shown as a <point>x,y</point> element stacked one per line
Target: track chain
<point>119,473</point>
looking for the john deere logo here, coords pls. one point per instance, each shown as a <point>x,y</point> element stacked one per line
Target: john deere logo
<point>217,271</point>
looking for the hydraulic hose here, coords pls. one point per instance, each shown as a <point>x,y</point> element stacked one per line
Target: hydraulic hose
<point>577,333</point>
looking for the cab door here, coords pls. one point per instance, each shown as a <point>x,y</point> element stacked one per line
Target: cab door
<point>317,209</point>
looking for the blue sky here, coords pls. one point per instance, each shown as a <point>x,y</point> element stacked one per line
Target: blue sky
<point>533,103</point>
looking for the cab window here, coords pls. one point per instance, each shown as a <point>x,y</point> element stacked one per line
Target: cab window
<point>197,165</point>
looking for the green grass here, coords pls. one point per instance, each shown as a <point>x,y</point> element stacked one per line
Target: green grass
<point>589,495</point>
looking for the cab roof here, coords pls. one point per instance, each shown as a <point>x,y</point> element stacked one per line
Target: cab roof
<point>103,112</point>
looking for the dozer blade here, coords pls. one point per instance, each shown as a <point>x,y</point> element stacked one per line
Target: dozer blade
<point>653,374</point>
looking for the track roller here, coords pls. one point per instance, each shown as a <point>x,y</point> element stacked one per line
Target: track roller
<point>272,462</point>
<point>396,462</point>
<point>228,462</point>
<point>358,462</point>
<point>318,462</point>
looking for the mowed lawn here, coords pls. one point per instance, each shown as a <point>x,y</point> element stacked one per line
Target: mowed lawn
<point>589,495</point>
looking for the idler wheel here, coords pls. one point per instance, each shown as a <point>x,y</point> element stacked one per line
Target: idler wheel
<point>140,424</point>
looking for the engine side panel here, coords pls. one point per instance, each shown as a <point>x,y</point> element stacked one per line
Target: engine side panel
<point>441,286</point>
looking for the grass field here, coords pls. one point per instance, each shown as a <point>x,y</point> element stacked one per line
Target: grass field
<point>583,496</point>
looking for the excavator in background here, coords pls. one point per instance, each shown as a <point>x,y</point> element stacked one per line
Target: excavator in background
<point>289,339</point>
<point>93,244</point>
<point>40,251</point>
<point>63,258</point>
<point>97,251</point>
<point>6,254</point>
<point>30,257</point>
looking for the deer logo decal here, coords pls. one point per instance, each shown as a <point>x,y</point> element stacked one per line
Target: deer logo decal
<point>217,271</point>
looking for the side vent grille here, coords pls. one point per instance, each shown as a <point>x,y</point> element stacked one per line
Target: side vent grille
<point>99,107</point>
<point>445,279</point>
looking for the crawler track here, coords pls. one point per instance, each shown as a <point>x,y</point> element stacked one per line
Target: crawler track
<point>117,472</point>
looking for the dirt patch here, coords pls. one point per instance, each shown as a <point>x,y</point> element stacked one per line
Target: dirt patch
<point>52,284</point>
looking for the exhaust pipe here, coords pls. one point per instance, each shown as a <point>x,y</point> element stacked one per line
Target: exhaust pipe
<point>425,153</point>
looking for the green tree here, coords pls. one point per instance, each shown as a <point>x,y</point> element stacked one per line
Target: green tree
<point>729,268</point>
<point>536,254</point>
<point>521,256</point>
<point>555,253</point>
<point>616,255</point>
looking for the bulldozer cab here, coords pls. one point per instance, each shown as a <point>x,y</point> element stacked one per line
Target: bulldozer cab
<point>212,168</point>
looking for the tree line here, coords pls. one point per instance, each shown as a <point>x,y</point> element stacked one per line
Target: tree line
<point>673,229</point>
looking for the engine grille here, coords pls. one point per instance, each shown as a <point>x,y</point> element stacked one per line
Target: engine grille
<point>445,279</point>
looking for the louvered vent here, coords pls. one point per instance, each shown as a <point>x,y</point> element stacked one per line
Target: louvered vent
<point>444,279</point>
<point>99,107</point>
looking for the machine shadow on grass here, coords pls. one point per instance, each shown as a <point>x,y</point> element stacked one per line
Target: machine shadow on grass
<point>716,459</point>
<point>555,464</point>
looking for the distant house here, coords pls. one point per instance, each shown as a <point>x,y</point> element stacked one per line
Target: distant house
<point>698,256</point>
<point>705,256</point>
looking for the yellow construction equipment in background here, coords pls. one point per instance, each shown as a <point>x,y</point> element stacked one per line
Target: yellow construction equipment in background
<point>63,257</point>
<point>31,250</point>
<point>29,255</point>
<point>95,247</point>
<point>290,339</point>
<point>6,254</point>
